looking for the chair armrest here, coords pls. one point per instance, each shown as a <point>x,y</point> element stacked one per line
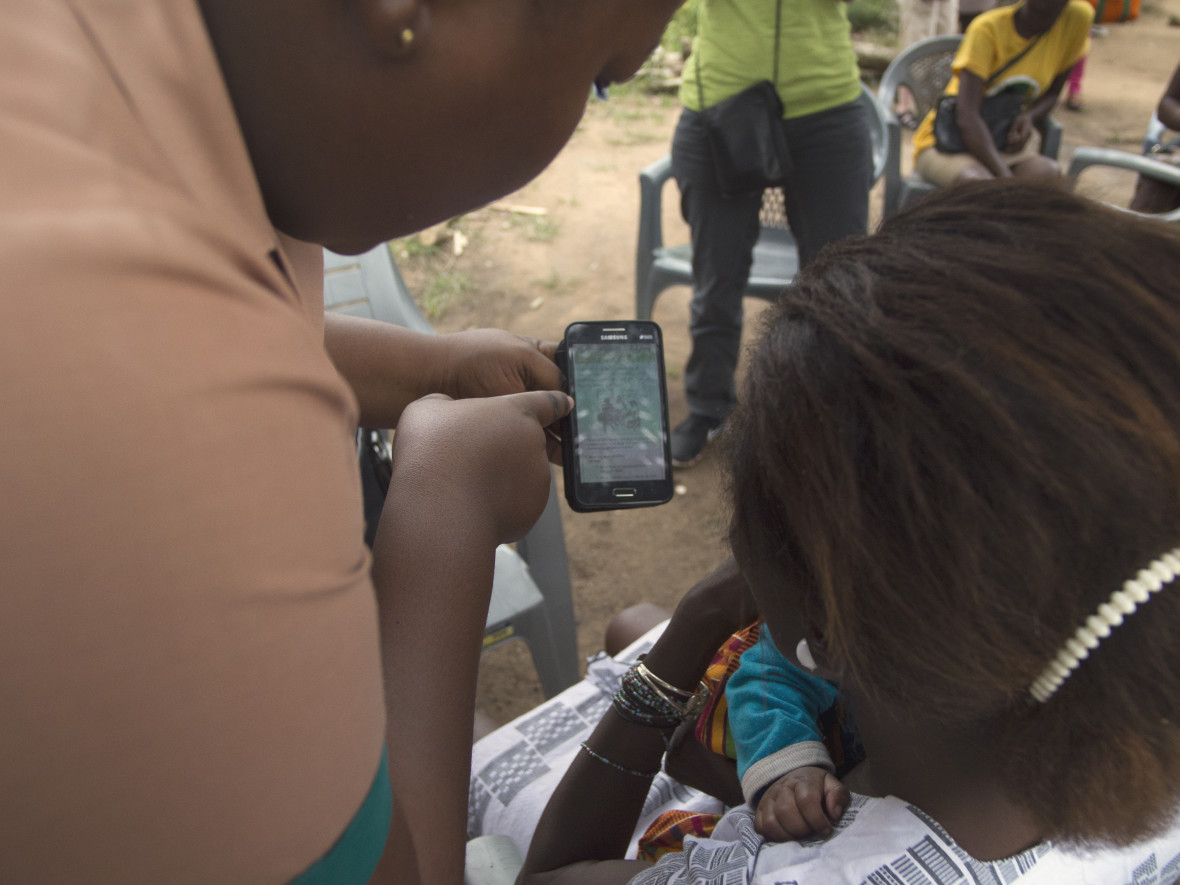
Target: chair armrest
<point>651,187</point>
<point>651,228</point>
<point>1050,131</point>
<point>492,860</point>
<point>1085,156</point>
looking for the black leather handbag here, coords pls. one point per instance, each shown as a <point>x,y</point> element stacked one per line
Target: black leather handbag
<point>999,111</point>
<point>745,133</point>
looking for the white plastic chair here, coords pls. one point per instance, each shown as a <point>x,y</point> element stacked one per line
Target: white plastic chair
<point>531,597</point>
<point>492,860</point>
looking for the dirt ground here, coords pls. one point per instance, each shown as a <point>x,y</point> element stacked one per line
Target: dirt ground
<point>534,274</point>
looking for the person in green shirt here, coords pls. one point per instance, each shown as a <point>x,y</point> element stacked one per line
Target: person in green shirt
<point>827,196</point>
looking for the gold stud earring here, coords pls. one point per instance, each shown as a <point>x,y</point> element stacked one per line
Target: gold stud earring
<point>406,38</point>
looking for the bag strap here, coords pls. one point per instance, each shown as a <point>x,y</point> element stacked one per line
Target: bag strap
<point>1013,60</point>
<point>778,17</point>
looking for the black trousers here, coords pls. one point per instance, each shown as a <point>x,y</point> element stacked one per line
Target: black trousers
<point>827,198</point>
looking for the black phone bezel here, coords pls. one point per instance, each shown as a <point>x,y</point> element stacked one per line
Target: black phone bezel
<point>586,497</point>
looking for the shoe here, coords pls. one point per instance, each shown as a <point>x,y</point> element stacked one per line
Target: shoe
<point>1074,103</point>
<point>690,437</point>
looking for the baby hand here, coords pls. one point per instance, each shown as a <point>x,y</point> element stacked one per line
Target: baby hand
<point>803,802</point>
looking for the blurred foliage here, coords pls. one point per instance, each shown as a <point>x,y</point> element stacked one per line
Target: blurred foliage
<point>877,17</point>
<point>682,27</point>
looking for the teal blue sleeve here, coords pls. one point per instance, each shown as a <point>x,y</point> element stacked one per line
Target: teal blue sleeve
<point>775,705</point>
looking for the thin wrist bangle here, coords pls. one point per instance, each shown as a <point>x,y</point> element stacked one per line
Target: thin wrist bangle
<point>683,702</point>
<point>616,766</point>
<point>656,682</point>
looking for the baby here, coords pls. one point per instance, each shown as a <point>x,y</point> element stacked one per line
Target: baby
<point>786,771</point>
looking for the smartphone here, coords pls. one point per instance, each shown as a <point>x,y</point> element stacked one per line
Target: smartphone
<point>615,441</point>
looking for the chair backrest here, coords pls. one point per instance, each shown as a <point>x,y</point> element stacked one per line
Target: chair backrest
<point>370,286</point>
<point>773,213</point>
<point>535,604</point>
<point>924,68</point>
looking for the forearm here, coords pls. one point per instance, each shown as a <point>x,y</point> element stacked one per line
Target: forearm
<point>693,764</point>
<point>433,601</point>
<point>1045,103</point>
<point>978,141</point>
<point>592,815</point>
<point>386,365</point>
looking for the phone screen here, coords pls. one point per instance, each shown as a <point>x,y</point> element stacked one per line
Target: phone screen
<point>619,428</point>
<point>620,432</point>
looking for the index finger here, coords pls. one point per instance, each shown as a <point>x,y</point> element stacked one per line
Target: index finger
<point>547,406</point>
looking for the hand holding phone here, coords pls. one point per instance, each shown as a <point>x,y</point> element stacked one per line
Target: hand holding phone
<point>615,441</point>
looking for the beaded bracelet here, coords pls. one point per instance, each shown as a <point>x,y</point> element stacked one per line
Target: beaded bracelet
<point>617,766</point>
<point>642,699</point>
<point>636,702</point>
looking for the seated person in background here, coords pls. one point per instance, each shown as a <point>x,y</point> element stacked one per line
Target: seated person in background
<point>1152,195</point>
<point>960,482</point>
<point>1043,39</point>
<point>196,649</point>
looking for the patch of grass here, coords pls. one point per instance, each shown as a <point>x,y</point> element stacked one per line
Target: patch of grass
<point>632,137</point>
<point>682,27</point>
<point>672,372</point>
<point>440,290</point>
<point>537,228</point>
<point>878,17</point>
<point>551,282</point>
<point>409,248</point>
<point>625,112</point>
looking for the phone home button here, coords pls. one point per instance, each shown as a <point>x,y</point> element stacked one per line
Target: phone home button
<point>623,493</point>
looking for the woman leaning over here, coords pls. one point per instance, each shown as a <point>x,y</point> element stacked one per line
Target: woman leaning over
<point>1028,48</point>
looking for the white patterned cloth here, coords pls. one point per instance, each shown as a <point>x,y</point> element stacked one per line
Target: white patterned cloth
<point>877,841</point>
<point>889,842</point>
<point>516,768</point>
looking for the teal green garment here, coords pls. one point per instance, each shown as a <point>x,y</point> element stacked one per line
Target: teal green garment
<point>355,855</point>
<point>734,45</point>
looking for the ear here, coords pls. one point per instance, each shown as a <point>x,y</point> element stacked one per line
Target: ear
<point>394,27</point>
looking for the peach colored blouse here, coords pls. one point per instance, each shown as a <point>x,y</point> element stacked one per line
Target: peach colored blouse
<point>190,683</point>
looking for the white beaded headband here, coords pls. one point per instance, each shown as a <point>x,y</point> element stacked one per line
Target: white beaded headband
<point>1110,614</point>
